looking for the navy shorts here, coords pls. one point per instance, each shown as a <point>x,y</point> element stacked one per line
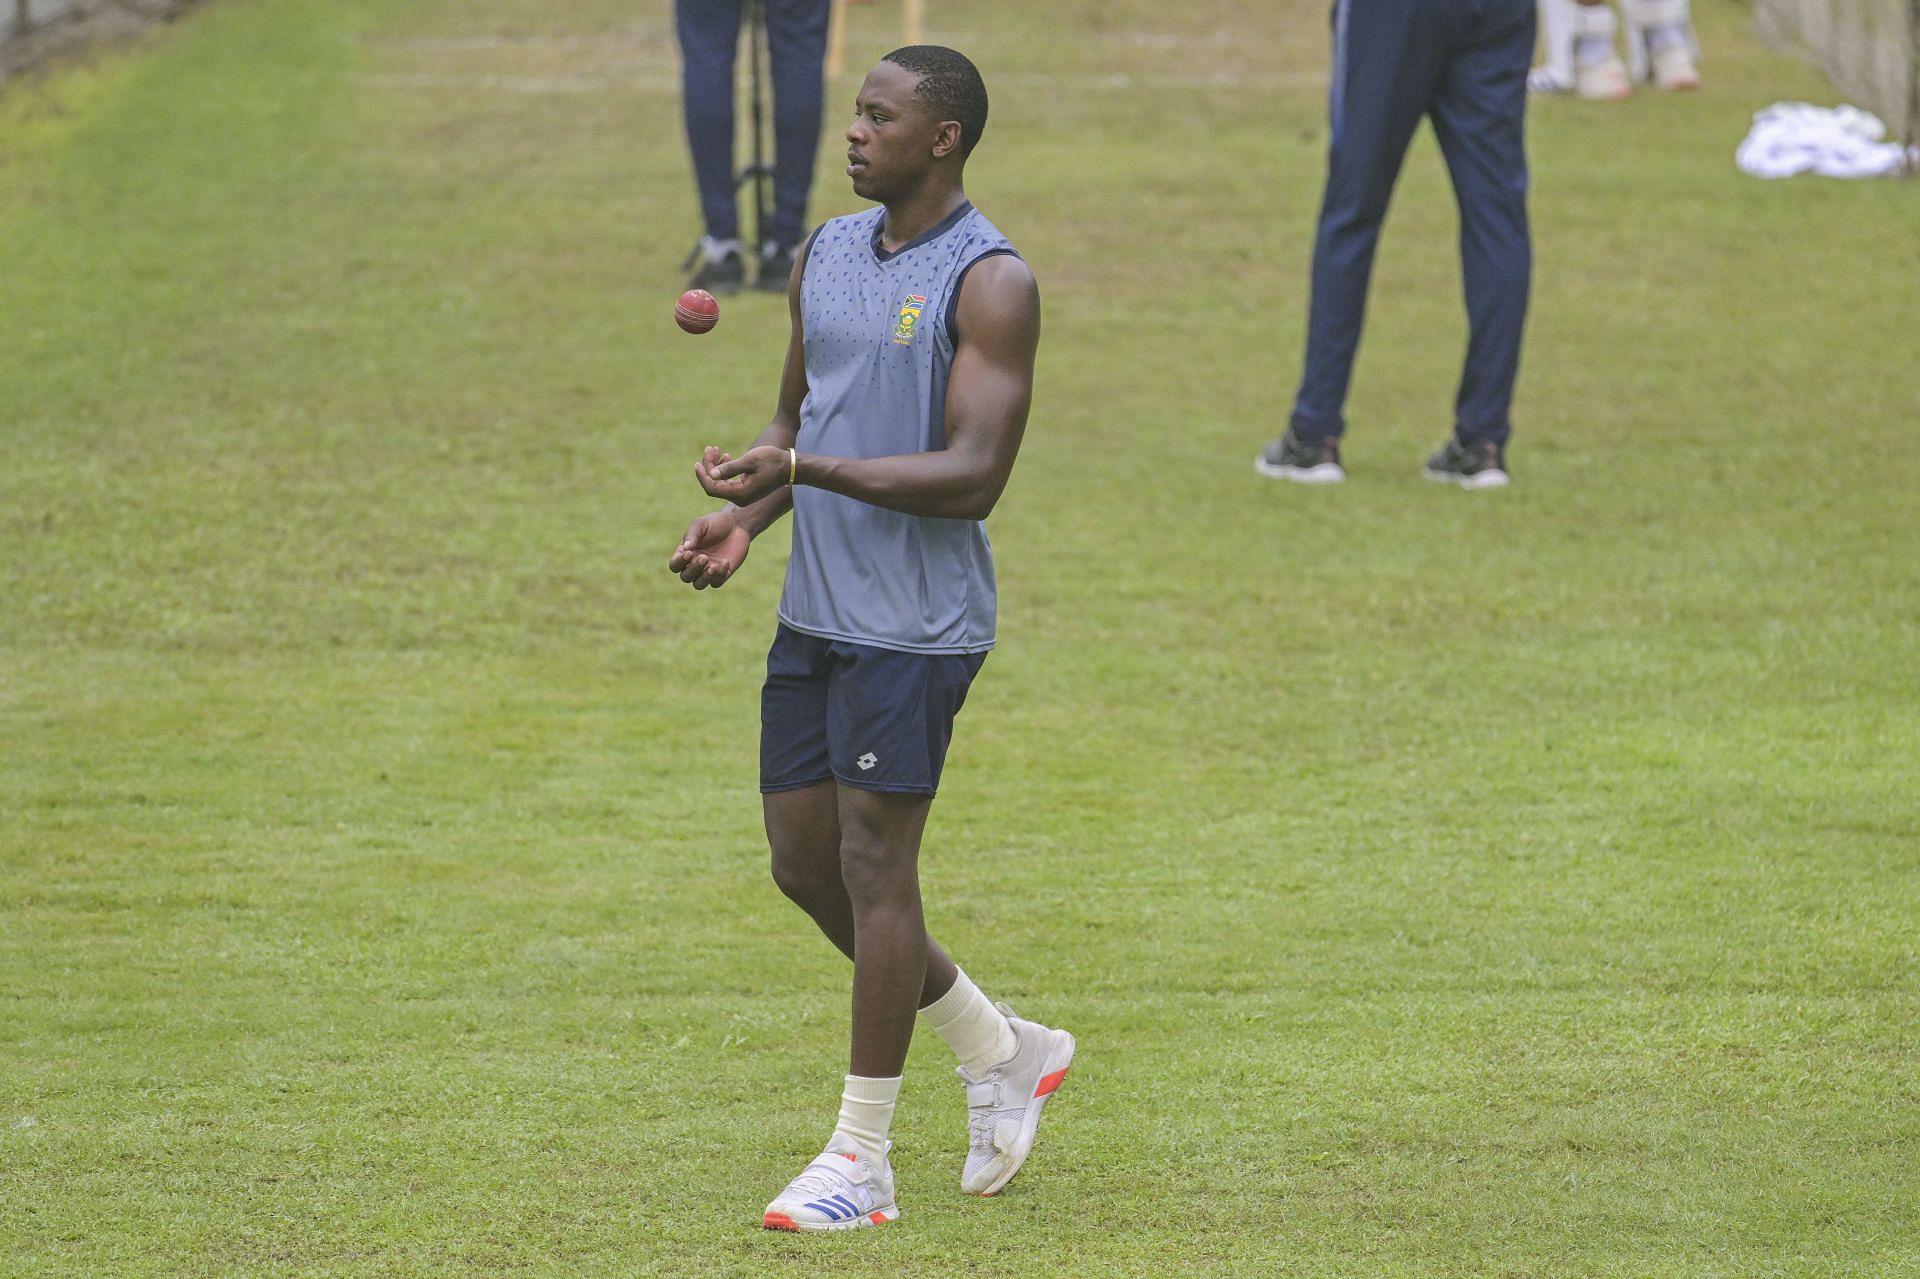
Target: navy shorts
<point>867,717</point>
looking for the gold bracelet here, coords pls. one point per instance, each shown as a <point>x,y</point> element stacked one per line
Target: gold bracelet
<point>793,467</point>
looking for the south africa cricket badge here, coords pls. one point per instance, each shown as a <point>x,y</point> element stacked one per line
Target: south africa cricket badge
<point>909,321</point>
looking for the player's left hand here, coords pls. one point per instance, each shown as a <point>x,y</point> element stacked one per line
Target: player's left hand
<point>745,479</point>
<point>713,549</point>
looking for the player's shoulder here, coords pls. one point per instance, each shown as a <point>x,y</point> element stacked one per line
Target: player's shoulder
<point>1001,275</point>
<point>998,301</point>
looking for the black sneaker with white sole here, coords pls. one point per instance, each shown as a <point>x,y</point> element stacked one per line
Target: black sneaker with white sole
<point>1479,464</point>
<point>776,267</point>
<point>722,267</point>
<point>1303,461</point>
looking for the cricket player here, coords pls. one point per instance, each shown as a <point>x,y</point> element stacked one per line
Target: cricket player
<point>902,405</point>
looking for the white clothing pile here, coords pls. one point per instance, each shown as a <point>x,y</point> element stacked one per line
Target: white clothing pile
<point>1838,142</point>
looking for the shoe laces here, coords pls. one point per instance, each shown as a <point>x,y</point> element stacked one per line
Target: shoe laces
<point>982,1129</point>
<point>983,1117</point>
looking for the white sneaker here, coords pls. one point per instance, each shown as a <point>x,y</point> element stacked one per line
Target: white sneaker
<point>842,1189</point>
<point>1673,69</point>
<point>1603,81</point>
<point>1542,80</point>
<point>1004,1104</point>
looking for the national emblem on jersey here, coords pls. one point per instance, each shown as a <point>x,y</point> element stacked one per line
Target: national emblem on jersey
<point>909,321</point>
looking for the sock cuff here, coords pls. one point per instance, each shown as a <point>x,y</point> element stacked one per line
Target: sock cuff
<point>957,1000</point>
<point>866,1090</point>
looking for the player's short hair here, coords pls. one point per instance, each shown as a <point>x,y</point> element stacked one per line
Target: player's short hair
<point>950,84</point>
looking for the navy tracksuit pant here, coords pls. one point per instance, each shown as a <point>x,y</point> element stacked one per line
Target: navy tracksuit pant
<point>796,51</point>
<point>1462,64</point>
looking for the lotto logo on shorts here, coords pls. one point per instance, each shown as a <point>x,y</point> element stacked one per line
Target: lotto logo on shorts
<point>909,321</point>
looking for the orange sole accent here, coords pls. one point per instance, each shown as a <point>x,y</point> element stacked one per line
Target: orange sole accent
<point>1050,1083</point>
<point>878,1219</point>
<point>778,1221</point>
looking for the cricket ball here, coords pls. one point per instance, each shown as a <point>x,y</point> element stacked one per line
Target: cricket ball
<point>696,311</point>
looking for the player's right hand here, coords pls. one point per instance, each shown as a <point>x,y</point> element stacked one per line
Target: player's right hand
<point>712,551</point>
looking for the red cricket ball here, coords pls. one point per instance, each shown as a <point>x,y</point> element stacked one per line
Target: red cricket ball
<point>696,311</point>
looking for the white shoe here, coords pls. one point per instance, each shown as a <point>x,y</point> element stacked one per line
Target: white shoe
<point>1673,69</point>
<point>842,1189</point>
<point>1004,1104</point>
<point>1542,80</point>
<point>1603,81</point>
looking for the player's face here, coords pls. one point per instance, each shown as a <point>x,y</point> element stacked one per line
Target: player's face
<point>890,142</point>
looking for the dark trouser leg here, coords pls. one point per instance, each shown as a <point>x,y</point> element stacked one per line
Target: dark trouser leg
<point>797,50</point>
<point>1386,59</point>
<point>803,829</point>
<point>709,35</point>
<point>1479,117</point>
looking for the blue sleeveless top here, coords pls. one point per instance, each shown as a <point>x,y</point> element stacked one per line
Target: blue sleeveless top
<point>878,330</point>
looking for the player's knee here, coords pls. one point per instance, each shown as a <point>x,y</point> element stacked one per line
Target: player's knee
<point>803,880</point>
<point>874,871</point>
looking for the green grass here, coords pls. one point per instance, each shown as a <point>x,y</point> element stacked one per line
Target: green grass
<point>1515,884</point>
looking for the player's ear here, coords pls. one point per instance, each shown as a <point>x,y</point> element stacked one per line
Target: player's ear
<point>946,139</point>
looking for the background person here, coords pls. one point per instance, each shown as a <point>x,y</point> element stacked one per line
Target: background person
<point>1462,64</point>
<point>709,33</point>
<point>1579,55</point>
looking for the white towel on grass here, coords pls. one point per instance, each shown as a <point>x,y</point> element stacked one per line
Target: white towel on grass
<point>1838,142</point>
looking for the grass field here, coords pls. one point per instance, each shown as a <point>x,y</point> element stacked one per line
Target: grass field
<point>1520,884</point>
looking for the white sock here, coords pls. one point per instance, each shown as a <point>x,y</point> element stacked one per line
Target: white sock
<point>979,1034</point>
<point>866,1112</point>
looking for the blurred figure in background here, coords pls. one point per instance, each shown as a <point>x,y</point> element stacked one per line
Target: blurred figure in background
<point>797,48</point>
<point>1579,53</point>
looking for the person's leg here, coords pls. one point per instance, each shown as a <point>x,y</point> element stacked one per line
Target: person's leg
<point>890,721</point>
<point>797,50</point>
<point>1479,118</point>
<point>850,1183</point>
<point>803,832</point>
<point>1386,59</point>
<point>709,34</point>
<point>880,864</point>
<point>1661,44</point>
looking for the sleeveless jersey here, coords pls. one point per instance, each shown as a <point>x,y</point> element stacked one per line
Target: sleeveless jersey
<point>878,335</point>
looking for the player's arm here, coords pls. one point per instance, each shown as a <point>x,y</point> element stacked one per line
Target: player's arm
<point>989,390</point>
<point>715,545</point>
